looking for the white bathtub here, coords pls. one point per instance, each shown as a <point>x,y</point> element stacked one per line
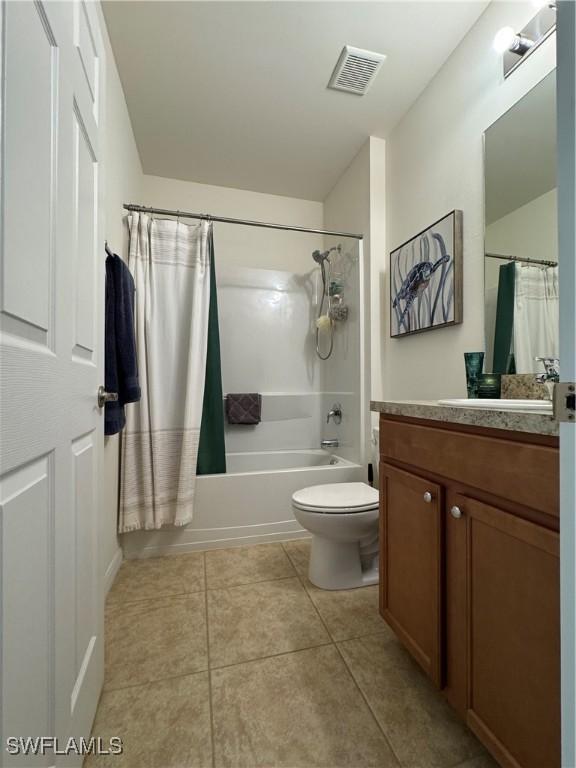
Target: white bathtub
<point>250,504</point>
<point>270,461</point>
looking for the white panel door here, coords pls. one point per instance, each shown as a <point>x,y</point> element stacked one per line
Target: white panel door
<point>51,320</point>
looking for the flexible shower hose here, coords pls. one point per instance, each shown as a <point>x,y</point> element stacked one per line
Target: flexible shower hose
<point>325,295</point>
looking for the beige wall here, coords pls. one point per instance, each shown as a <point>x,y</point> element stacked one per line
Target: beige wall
<point>378,298</point>
<point>244,246</point>
<point>122,180</point>
<point>435,164</point>
<point>347,207</point>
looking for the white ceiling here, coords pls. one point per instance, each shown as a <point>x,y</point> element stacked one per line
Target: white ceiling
<point>234,93</point>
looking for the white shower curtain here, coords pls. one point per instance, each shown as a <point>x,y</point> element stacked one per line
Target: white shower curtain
<point>170,262</point>
<point>535,316</point>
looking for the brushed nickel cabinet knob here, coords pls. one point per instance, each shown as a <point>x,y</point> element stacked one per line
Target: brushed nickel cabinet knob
<point>456,513</point>
<point>427,497</point>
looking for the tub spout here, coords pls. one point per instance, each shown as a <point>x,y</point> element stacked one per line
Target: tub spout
<point>329,444</point>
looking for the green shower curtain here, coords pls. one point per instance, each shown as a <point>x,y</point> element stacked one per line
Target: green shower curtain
<point>211,451</point>
<point>503,359</point>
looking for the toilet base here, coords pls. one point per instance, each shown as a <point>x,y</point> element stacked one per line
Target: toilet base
<point>337,565</point>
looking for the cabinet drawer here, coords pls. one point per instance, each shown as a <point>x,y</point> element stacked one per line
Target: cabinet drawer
<point>522,472</point>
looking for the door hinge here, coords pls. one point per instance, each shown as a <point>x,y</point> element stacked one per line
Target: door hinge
<point>565,401</point>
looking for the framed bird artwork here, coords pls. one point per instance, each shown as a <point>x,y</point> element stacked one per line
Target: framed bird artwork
<point>426,279</point>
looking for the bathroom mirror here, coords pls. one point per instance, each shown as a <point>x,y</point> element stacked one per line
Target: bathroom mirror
<point>521,248</point>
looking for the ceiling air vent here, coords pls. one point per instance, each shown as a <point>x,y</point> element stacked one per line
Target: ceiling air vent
<point>355,70</point>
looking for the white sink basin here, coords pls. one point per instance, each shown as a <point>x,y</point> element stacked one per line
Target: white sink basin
<point>538,406</point>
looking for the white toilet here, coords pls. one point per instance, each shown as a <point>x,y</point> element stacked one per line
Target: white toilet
<point>343,518</point>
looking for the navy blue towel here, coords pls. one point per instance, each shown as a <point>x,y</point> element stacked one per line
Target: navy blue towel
<point>121,366</point>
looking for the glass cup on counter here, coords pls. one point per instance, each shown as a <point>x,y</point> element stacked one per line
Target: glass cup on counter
<point>474,362</point>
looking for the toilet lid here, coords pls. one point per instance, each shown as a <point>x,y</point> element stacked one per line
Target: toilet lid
<point>337,497</point>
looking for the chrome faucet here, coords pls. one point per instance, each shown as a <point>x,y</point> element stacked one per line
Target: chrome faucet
<point>335,414</point>
<point>329,444</point>
<point>551,368</point>
<point>551,373</point>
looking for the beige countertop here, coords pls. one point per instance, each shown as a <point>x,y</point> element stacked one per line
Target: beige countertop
<point>514,421</point>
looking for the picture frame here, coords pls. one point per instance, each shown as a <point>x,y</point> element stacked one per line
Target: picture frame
<point>426,279</point>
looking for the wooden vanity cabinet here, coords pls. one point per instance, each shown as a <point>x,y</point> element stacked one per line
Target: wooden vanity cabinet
<point>470,579</point>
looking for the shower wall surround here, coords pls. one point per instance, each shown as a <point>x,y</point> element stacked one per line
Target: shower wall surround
<point>266,346</point>
<point>342,376</point>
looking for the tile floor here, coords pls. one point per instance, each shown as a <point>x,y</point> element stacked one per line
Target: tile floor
<point>232,658</point>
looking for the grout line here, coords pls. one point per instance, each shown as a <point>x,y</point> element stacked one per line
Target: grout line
<point>287,553</point>
<point>168,596</point>
<point>154,682</point>
<point>210,702</point>
<point>363,695</point>
<point>249,583</point>
<point>377,633</point>
<point>272,655</point>
<point>335,644</point>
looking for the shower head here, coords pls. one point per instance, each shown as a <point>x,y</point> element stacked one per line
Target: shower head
<point>319,257</point>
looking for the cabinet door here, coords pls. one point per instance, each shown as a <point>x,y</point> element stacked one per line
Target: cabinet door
<point>411,564</point>
<point>513,636</point>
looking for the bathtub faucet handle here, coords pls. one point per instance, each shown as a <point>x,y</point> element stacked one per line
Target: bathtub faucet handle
<point>335,414</point>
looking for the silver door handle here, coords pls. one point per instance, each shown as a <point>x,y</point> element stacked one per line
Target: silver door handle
<point>456,513</point>
<point>427,497</point>
<point>106,397</point>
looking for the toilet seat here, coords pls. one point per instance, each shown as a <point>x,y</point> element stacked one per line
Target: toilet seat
<point>336,498</point>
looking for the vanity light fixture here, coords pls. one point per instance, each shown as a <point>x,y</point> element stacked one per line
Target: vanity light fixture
<point>507,40</point>
<point>516,46</point>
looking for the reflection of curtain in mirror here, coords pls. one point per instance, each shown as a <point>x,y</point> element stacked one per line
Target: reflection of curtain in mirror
<point>535,316</point>
<point>503,328</point>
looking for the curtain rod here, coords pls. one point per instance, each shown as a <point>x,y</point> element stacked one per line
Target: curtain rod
<point>519,258</point>
<point>246,222</point>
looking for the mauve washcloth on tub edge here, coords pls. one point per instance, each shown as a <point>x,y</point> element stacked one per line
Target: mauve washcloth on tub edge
<point>244,408</point>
